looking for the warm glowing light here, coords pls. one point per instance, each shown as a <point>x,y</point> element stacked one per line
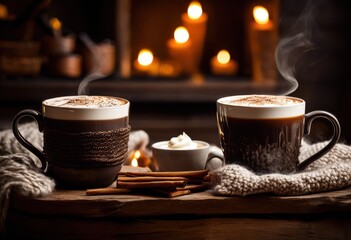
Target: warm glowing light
<point>181,35</point>
<point>223,57</point>
<point>3,11</point>
<point>137,154</point>
<point>261,15</point>
<point>167,69</point>
<point>134,162</point>
<point>145,57</point>
<point>55,24</point>
<point>194,10</point>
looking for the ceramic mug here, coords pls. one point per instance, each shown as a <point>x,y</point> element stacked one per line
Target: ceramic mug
<point>85,139</point>
<point>264,132</point>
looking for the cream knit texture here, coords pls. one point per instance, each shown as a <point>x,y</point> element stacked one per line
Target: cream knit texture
<point>330,172</point>
<point>20,170</point>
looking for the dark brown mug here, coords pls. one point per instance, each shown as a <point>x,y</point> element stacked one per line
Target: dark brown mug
<point>85,139</point>
<point>264,133</point>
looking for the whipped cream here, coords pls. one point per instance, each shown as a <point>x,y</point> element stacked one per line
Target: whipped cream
<point>183,141</point>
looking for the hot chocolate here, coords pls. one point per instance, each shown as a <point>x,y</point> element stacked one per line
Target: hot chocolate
<point>85,139</point>
<point>264,132</point>
<point>261,143</point>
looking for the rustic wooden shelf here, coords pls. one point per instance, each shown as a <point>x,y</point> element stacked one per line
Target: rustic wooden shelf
<point>136,90</point>
<point>72,214</point>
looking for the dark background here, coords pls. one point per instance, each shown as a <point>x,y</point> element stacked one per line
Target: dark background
<point>163,108</point>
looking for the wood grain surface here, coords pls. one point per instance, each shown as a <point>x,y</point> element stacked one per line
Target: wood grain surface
<point>73,215</point>
<point>76,203</point>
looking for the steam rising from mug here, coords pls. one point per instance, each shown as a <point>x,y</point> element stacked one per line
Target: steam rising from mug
<point>290,49</point>
<point>95,73</point>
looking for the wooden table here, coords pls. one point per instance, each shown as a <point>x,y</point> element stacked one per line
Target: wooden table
<point>73,215</point>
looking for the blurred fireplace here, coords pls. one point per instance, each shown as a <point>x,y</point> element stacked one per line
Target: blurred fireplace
<point>150,23</point>
<point>153,23</point>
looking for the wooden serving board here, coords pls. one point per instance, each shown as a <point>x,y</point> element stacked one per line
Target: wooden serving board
<point>76,203</point>
<point>72,214</point>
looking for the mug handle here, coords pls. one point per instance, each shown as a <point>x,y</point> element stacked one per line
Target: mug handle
<point>309,117</point>
<point>24,142</point>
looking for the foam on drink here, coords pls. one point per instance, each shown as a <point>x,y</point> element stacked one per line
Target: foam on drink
<point>265,101</point>
<point>86,108</point>
<point>261,106</point>
<point>84,102</point>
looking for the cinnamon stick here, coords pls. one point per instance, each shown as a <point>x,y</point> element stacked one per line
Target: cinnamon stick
<point>172,193</point>
<point>147,179</point>
<point>196,188</point>
<point>151,184</point>
<point>187,174</point>
<point>106,191</point>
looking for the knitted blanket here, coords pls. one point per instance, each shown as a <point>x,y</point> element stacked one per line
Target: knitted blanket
<point>20,170</point>
<point>330,172</point>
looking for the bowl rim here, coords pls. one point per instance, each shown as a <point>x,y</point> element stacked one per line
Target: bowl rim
<point>155,146</point>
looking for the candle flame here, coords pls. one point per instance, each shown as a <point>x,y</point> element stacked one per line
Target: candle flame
<point>260,14</point>
<point>134,162</point>
<point>223,57</point>
<point>194,10</point>
<point>145,57</point>
<point>137,154</point>
<point>181,35</point>
<point>55,24</point>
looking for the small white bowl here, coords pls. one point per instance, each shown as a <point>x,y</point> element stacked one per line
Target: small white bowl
<point>169,159</point>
